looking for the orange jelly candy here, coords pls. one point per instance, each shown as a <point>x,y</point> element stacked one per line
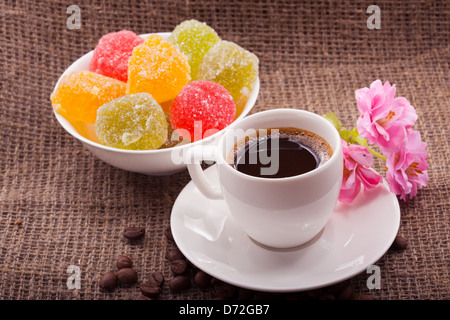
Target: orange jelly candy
<point>158,68</point>
<point>80,93</point>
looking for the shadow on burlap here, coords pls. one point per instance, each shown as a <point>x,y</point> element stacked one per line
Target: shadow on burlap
<point>313,55</point>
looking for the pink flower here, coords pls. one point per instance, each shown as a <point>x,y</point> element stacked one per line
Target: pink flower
<point>383,119</point>
<point>407,166</point>
<point>357,161</point>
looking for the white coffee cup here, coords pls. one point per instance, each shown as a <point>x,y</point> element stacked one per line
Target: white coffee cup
<point>276,212</point>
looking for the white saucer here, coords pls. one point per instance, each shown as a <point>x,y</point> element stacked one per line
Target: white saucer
<point>357,235</point>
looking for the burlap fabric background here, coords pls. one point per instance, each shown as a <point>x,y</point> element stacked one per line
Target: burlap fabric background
<point>313,55</point>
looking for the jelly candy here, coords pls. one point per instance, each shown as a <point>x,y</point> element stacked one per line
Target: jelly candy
<point>135,122</point>
<point>194,38</point>
<point>233,67</point>
<point>79,94</point>
<point>158,68</point>
<point>201,109</point>
<point>112,52</point>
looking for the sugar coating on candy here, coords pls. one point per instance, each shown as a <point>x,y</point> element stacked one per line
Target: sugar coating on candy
<point>79,94</point>
<point>112,52</point>
<point>201,109</point>
<point>158,68</point>
<point>134,122</point>
<point>194,39</point>
<point>233,67</point>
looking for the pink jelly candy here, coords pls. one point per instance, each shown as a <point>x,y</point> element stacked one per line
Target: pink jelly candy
<point>112,53</point>
<point>201,109</point>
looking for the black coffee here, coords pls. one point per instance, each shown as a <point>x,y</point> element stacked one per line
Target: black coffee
<point>280,153</point>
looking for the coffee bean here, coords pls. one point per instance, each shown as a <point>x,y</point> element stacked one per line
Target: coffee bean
<point>124,262</point>
<point>156,278</point>
<point>150,290</point>
<point>178,266</point>
<point>127,276</point>
<point>202,280</point>
<point>400,243</point>
<point>168,234</point>
<point>346,293</point>
<point>134,233</point>
<point>175,254</point>
<point>179,283</point>
<point>108,281</point>
<point>223,289</point>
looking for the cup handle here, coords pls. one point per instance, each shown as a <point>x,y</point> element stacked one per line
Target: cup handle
<point>195,156</point>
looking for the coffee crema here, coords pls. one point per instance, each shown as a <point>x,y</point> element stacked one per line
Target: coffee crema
<point>279,153</point>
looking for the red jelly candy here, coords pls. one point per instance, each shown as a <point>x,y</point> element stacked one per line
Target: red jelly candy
<point>201,109</point>
<point>112,53</point>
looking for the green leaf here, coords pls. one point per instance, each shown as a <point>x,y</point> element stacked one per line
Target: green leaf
<point>331,117</point>
<point>350,136</point>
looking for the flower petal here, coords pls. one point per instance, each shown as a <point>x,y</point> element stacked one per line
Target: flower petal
<point>369,178</point>
<point>393,139</point>
<point>349,180</point>
<point>361,155</point>
<point>348,195</point>
<point>405,112</point>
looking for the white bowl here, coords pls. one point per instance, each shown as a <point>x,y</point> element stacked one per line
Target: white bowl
<point>151,162</point>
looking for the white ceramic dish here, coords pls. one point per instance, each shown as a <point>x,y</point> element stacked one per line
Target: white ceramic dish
<point>151,162</point>
<point>356,236</point>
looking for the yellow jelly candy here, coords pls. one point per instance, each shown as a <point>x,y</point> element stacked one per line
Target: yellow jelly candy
<point>79,94</point>
<point>134,122</point>
<point>234,68</point>
<point>194,39</point>
<point>158,68</point>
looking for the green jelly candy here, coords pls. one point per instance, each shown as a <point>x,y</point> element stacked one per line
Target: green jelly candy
<point>234,68</point>
<point>194,39</point>
<point>134,122</point>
